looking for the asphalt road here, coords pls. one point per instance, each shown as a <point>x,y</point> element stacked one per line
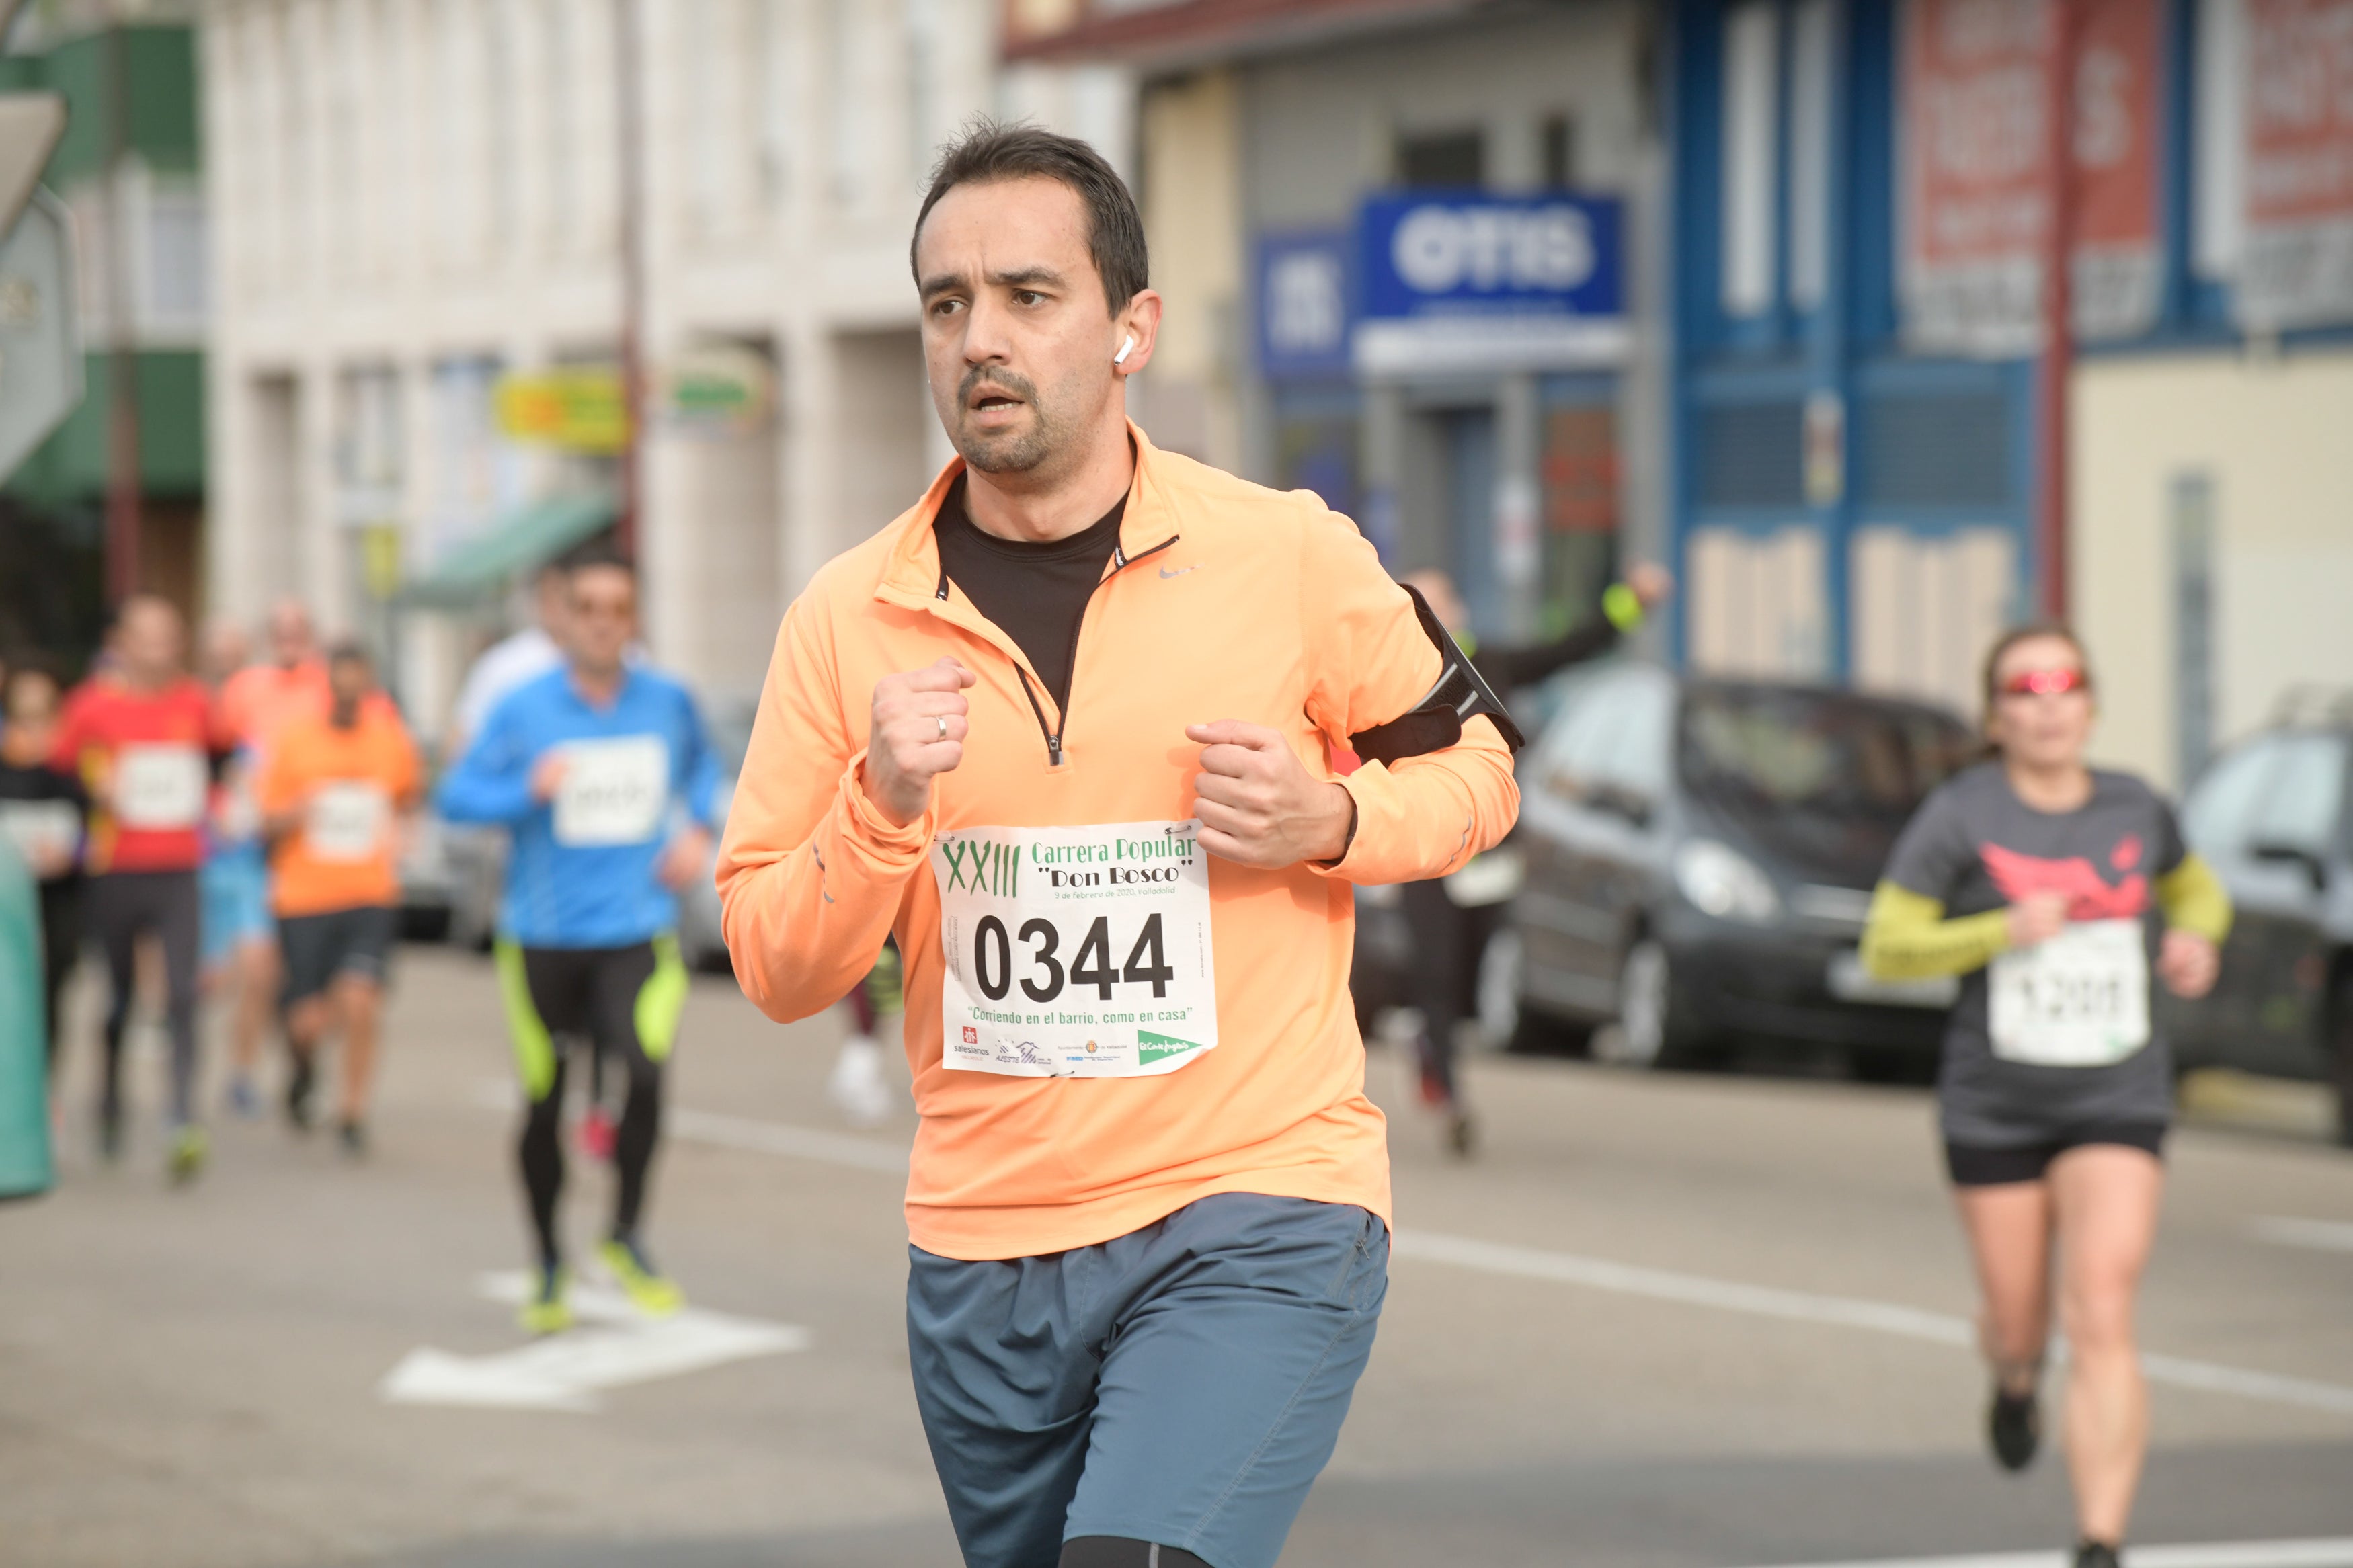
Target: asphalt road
<point>1705,1320</point>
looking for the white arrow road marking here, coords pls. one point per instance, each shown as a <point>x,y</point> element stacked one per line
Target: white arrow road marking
<point>2337,1553</point>
<point>563,1372</point>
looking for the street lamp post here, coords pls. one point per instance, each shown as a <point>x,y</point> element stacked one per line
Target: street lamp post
<point>2052,372</point>
<point>631,241</point>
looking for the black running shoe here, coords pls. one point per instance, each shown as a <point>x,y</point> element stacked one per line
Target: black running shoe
<point>2014,1428</point>
<point>1461,1134</point>
<point>352,1135</point>
<point>299,1085</point>
<point>2096,1555</point>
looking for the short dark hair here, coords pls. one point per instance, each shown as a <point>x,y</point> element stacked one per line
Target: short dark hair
<point>350,650</point>
<point>598,558</point>
<point>990,151</point>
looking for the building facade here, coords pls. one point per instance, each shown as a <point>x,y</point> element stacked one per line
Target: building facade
<point>1862,196</point>
<point>417,244</point>
<point>1407,250</point>
<point>131,176</point>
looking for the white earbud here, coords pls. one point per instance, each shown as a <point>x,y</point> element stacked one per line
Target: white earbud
<point>1125,349</point>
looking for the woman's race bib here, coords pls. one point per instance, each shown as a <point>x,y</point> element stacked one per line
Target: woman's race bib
<point>614,792</point>
<point>159,788</point>
<point>40,828</point>
<point>1076,952</point>
<point>344,822</point>
<point>2079,1000</point>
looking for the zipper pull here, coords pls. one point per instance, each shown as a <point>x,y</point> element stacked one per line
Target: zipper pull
<point>1054,750</point>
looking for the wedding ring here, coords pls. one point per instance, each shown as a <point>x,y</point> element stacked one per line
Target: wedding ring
<point>943,723</point>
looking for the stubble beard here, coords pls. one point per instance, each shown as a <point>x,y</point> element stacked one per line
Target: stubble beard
<point>1014,452</point>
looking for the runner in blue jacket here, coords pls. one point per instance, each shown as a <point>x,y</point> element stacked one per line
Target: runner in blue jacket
<point>605,779</point>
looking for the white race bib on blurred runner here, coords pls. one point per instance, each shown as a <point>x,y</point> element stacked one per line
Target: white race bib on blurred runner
<point>40,828</point>
<point>614,792</point>
<point>2079,1000</point>
<point>1075,952</point>
<point>344,822</point>
<point>159,787</point>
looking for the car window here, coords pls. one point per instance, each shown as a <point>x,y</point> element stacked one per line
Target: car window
<point>1797,749</point>
<point>2218,817</point>
<point>2300,810</point>
<point>1573,759</point>
<point>1640,760</point>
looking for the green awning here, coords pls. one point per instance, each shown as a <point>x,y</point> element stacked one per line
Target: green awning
<point>518,543</point>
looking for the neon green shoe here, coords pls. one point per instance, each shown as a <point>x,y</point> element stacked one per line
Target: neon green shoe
<point>189,1148</point>
<point>544,1310</point>
<point>653,1292</point>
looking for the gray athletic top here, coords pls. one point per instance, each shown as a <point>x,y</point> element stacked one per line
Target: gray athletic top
<point>1975,847</point>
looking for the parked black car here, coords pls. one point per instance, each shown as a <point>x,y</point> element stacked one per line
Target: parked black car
<point>2270,814</point>
<point>1699,855</point>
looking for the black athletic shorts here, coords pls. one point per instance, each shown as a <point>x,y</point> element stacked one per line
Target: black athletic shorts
<point>1974,1166</point>
<point>318,948</point>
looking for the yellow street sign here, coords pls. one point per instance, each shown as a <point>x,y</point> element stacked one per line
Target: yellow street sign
<point>578,409</point>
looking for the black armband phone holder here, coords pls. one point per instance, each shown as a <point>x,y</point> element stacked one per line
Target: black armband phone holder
<point>1435,721</point>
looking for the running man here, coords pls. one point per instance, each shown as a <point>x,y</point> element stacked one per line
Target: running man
<point>41,813</point>
<point>331,800</point>
<point>2058,893</point>
<point>590,768</point>
<point>1061,727</point>
<point>145,741</point>
<point>240,945</point>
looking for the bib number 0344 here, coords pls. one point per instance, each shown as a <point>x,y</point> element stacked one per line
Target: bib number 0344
<point>1075,952</point>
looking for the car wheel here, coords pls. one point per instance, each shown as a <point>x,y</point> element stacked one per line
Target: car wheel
<point>1649,1033</point>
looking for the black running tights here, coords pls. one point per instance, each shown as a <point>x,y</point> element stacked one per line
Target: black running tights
<point>122,906</point>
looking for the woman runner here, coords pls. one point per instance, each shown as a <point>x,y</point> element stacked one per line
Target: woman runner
<point>2057,892</point>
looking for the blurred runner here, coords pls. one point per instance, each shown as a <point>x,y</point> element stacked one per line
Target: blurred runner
<point>588,767</point>
<point>240,945</point>
<point>1061,727</point>
<point>331,800</point>
<point>41,813</point>
<point>2057,891</point>
<point>145,741</point>
<point>1452,918</point>
<point>515,660</point>
<point>859,1086</point>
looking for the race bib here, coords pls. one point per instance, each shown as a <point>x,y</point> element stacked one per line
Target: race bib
<point>2079,1000</point>
<point>614,792</point>
<point>159,788</point>
<point>344,822</point>
<point>40,828</point>
<point>1075,952</point>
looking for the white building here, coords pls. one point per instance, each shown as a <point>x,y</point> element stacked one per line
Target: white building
<point>414,200</point>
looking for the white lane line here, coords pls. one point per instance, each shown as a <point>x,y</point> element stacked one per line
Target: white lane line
<point>2335,1553</point>
<point>2320,1235</point>
<point>1559,1268</point>
<point>617,1346</point>
<point>1836,1312</point>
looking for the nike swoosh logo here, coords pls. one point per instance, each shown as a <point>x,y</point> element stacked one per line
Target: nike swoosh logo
<point>1164,572</point>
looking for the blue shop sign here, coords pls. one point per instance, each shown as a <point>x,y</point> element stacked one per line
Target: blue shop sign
<point>1466,282</point>
<point>1304,313</point>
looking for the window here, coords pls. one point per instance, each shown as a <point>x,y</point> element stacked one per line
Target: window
<point>2283,791</point>
<point>1752,117</point>
<point>1559,152</point>
<point>2219,116</point>
<point>1440,159</point>
<point>1811,89</point>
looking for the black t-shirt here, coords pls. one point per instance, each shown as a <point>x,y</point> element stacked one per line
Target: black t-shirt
<point>33,794</point>
<point>1975,847</point>
<point>1035,593</point>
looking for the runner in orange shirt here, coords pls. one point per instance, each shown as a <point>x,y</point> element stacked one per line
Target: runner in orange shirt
<point>330,796</point>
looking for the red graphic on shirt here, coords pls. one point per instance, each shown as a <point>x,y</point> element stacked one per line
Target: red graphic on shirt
<point>2089,899</point>
<point>2126,854</point>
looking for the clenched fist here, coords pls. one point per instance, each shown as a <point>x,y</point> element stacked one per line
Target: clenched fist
<point>917,733</point>
<point>2188,964</point>
<point>1259,805</point>
<point>2036,918</point>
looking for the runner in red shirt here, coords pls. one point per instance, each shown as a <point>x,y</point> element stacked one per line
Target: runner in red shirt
<point>145,741</point>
